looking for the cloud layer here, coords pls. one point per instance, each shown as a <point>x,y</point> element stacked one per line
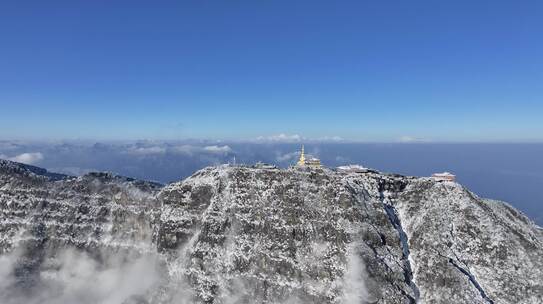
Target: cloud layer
<point>25,158</point>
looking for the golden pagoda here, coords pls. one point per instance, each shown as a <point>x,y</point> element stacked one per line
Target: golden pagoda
<point>301,161</point>
<point>309,162</point>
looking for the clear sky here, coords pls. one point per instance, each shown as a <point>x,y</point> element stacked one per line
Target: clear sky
<point>362,70</point>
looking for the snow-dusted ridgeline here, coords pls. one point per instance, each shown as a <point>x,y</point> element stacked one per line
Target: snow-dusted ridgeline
<point>255,235</point>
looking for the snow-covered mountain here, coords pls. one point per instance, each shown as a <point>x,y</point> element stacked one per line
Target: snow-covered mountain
<point>232,234</point>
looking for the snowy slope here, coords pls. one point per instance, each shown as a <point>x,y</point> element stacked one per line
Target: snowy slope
<point>255,235</point>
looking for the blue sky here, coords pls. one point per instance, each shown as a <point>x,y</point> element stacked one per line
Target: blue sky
<point>361,70</point>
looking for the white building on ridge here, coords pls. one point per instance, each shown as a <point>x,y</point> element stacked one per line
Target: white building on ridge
<point>445,176</point>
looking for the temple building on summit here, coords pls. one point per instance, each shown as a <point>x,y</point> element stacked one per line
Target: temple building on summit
<point>445,176</point>
<point>310,161</point>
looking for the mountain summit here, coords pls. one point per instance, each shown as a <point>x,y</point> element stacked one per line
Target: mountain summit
<point>234,234</point>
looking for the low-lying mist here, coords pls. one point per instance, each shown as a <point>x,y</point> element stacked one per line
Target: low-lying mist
<point>71,276</point>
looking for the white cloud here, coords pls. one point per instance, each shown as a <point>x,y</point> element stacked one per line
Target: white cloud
<point>147,150</point>
<point>75,277</point>
<point>184,149</point>
<point>287,157</point>
<point>25,158</point>
<point>411,139</point>
<point>355,289</point>
<point>190,149</point>
<point>295,138</point>
<point>331,138</point>
<point>7,264</point>
<point>281,138</point>
<point>217,149</point>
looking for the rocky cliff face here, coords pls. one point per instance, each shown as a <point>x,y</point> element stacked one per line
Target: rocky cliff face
<point>254,235</point>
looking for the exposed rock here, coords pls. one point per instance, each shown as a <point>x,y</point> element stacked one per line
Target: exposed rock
<point>266,235</point>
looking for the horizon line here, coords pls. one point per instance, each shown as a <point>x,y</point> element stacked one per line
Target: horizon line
<point>265,141</point>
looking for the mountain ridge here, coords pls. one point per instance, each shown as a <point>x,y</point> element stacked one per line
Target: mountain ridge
<point>232,234</point>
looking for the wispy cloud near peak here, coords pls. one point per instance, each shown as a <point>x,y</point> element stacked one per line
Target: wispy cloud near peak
<point>25,158</point>
<point>217,149</point>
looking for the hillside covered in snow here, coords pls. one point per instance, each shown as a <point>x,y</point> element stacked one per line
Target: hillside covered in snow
<point>233,234</point>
